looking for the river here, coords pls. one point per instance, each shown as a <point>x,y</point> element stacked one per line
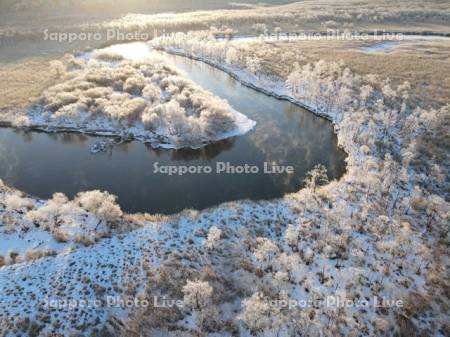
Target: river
<point>41,164</point>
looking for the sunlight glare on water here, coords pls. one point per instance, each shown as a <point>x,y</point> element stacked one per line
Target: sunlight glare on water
<point>136,51</point>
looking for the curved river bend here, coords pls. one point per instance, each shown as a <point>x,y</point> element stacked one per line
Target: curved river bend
<point>286,134</point>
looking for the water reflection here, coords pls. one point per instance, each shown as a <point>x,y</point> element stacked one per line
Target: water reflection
<point>285,133</point>
<point>208,152</point>
<point>9,160</point>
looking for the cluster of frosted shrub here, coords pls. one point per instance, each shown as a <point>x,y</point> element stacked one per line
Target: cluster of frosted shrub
<point>100,204</point>
<point>125,93</point>
<point>90,214</point>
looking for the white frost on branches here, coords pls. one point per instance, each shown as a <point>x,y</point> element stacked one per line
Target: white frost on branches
<point>197,294</point>
<point>213,238</point>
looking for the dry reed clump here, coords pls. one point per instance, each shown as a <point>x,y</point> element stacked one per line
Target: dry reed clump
<point>32,255</point>
<point>21,83</point>
<point>84,240</point>
<point>60,236</point>
<point>108,56</point>
<point>12,257</point>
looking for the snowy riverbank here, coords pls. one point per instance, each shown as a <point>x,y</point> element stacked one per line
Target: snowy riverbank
<point>265,84</point>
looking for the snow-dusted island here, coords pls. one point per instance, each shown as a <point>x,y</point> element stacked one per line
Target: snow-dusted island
<point>106,93</point>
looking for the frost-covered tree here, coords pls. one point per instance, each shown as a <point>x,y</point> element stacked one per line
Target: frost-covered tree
<point>260,28</point>
<point>291,236</point>
<point>49,213</point>
<point>256,311</point>
<point>17,202</point>
<point>254,65</point>
<point>316,177</point>
<point>58,67</point>
<point>232,56</point>
<point>265,252</point>
<point>102,204</point>
<point>197,294</point>
<point>213,238</point>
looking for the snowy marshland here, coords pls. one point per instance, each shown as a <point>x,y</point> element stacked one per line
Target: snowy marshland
<point>379,232</point>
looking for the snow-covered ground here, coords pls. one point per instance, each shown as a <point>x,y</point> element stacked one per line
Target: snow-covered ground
<point>81,289</point>
<point>373,234</point>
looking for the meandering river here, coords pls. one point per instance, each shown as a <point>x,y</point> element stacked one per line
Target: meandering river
<point>41,163</point>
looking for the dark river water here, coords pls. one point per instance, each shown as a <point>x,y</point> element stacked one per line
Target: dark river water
<point>41,164</point>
